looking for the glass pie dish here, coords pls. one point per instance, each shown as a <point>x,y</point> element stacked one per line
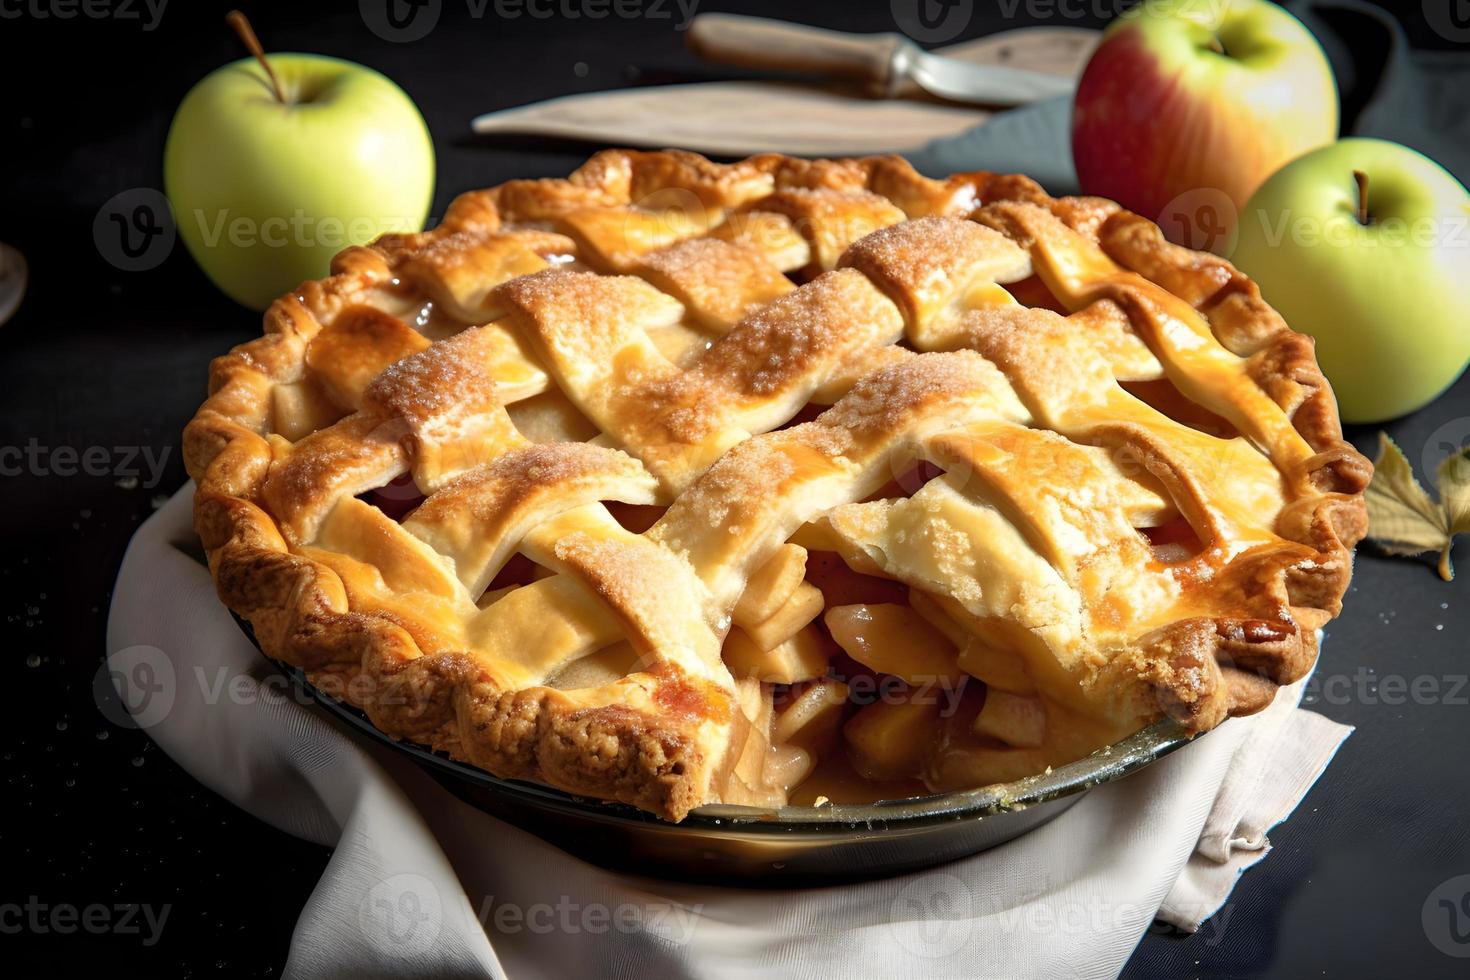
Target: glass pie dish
<point>774,847</point>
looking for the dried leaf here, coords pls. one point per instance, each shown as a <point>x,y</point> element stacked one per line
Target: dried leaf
<point>1454,490</point>
<point>1399,511</point>
<point>1402,518</point>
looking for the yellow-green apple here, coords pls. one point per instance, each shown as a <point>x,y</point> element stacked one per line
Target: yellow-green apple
<point>269,178</point>
<point>1194,103</point>
<point>1376,267</point>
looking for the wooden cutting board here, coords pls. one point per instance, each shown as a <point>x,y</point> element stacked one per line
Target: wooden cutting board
<point>738,118</point>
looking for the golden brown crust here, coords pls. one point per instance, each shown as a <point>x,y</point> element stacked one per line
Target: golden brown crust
<point>683,365</point>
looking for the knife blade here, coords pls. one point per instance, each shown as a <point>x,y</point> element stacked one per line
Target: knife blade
<point>737,118</point>
<point>885,62</point>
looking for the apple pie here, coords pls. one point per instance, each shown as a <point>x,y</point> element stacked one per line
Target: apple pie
<point>676,482</point>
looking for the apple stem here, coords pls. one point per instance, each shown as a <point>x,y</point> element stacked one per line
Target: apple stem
<point>1362,180</point>
<point>242,27</point>
<point>1217,45</point>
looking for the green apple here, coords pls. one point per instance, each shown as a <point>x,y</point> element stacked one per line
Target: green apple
<point>265,191</point>
<point>1387,299</point>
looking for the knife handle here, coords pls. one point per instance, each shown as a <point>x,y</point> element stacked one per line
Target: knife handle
<point>759,42</point>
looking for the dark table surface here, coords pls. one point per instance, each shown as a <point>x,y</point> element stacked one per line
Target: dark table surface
<point>94,814</point>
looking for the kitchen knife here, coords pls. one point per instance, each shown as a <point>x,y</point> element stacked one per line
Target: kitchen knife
<point>886,63</point>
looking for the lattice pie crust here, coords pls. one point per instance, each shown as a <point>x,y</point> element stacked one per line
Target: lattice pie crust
<point>1073,475</point>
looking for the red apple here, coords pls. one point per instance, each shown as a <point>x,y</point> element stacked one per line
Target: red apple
<point>1187,106</point>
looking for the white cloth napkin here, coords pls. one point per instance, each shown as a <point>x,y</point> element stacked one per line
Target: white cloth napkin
<point>420,884</point>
